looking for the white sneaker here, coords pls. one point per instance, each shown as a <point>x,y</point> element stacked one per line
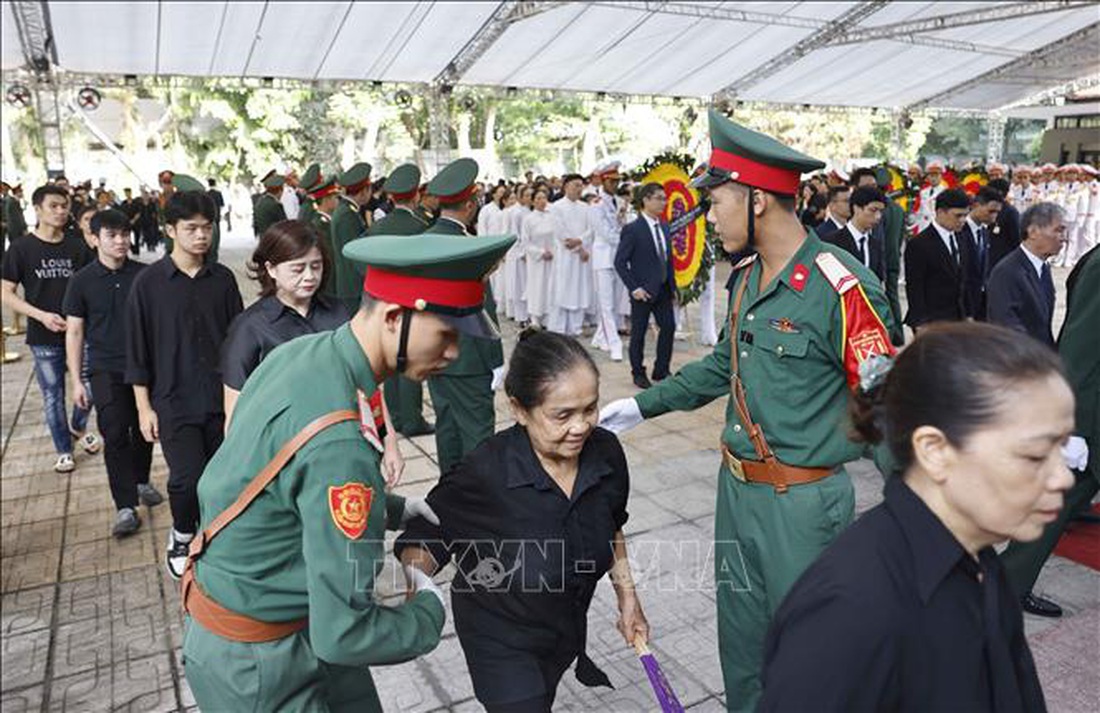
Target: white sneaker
<point>65,463</point>
<point>175,556</point>
<point>617,354</point>
<point>90,443</point>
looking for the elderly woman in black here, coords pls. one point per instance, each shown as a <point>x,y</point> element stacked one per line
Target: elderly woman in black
<point>533,520</point>
<point>910,610</point>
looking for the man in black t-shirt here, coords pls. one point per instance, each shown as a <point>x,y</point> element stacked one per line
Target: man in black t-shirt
<point>95,311</point>
<point>42,263</point>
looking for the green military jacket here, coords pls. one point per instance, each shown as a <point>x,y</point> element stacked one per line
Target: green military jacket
<point>307,209</point>
<point>791,360</point>
<point>293,553</point>
<point>347,225</point>
<point>476,357</point>
<point>894,232</point>
<point>266,212</point>
<point>323,224</point>
<point>1079,344</point>
<point>399,221</point>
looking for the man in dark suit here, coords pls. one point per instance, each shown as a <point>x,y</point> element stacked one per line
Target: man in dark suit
<point>1021,288</point>
<point>975,241</point>
<point>644,262</point>
<point>838,212</point>
<point>859,236</point>
<point>1005,236</point>
<point>934,264</point>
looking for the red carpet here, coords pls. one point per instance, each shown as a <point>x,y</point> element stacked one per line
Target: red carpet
<point>1081,543</point>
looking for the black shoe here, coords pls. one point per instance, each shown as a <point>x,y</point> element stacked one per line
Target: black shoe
<point>175,556</point>
<point>642,381</point>
<point>1040,606</point>
<point>423,429</point>
<point>660,378</point>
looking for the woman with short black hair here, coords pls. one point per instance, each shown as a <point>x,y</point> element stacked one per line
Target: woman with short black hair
<point>909,609</point>
<point>533,520</point>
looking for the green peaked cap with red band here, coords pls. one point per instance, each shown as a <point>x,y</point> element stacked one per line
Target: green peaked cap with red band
<point>752,159</point>
<point>455,182</point>
<point>403,181</point>
<point>443,274</point>
<point>311,177</point>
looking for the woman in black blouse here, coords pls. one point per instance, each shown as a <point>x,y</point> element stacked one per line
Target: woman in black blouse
<point>533,520</point>
<point>910,610</point>
<point>291,266</point>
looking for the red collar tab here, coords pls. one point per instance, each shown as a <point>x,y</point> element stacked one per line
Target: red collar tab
<point>417,292</point>
<point>799,275</point>
<point>783,181</point>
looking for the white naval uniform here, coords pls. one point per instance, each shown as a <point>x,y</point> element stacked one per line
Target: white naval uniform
<point>537,233</point>
<point>515,264</point>
<point>610,290</point>
<point>572,293</point>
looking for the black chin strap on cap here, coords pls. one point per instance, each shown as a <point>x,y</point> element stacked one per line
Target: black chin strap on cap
<point>752,219</point>
<point>403,340</point>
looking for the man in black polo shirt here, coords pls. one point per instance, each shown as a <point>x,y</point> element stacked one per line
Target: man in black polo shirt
<point>177,316</point>
<point>95,315</point>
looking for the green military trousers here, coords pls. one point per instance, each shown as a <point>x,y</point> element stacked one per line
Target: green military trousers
<point>464,415</point>
<point>1024,560</point>
<point>405,401</point>
<point>764,540</point>
<point>278,675</point>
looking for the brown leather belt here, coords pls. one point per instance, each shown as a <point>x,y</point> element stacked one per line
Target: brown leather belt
<point>229,624</point>
<point>773,473</point>
<point>213,616</point>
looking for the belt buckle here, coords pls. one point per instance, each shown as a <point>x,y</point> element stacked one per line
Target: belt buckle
<point>736,469</point>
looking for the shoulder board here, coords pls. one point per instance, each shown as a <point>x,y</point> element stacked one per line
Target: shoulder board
<point>840,277</point>
<point>745,262</point>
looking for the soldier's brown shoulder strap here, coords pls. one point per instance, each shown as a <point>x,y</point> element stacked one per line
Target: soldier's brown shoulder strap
<point>265,476</point>
<point>755,433</point>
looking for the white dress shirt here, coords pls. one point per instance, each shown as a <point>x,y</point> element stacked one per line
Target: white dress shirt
<point>862,243</point>
<point>1036,261</point>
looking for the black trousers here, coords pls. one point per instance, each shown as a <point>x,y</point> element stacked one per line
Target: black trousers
<point>188,448</point>
<point>126,453</point>
<point>661,309</point>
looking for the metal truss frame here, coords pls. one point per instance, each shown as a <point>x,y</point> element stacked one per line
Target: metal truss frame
<point>32,22</point>
<point>1083,40</point>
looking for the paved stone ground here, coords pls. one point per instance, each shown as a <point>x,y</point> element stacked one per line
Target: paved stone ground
<point>90,623</point>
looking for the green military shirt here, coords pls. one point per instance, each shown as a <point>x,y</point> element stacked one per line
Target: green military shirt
<point>894,231</point>
<point>267,211</point>
<point>286,556</point>
<point>347,225</point>
<point>1078,344</point>
<point>475,356</point>
<point>791,361</point>
<point>307,209</point>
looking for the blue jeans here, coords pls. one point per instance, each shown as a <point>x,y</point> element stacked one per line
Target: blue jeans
<point>49,370</point>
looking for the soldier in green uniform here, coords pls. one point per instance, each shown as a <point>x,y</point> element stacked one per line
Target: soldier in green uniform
<point>463,394</point>
<point>804,316</point>
<point>324,197</point>
<point>347,225</point>
<point>309,181</point>
<point>278,588</point>
<point>268,210</point>
<point>404,397</point>
<point>893,223</point>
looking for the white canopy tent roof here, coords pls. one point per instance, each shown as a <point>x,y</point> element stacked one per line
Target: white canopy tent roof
<point>981,56</point>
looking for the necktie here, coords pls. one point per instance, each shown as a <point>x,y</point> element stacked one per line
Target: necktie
<point>863,249</point>
<point>954,249</point>
<point>983,251</point>
<point>660,244</point>
<point>1047,282</point>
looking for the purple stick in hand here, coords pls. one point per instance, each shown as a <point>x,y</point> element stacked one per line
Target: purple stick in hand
<point>661,688</point>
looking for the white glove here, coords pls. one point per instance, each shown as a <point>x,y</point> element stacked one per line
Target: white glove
<point>1076,453</point>
<point>621,415</point>
<point>498,378</point>
<point>423,583</point>
<point>418,507</point>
